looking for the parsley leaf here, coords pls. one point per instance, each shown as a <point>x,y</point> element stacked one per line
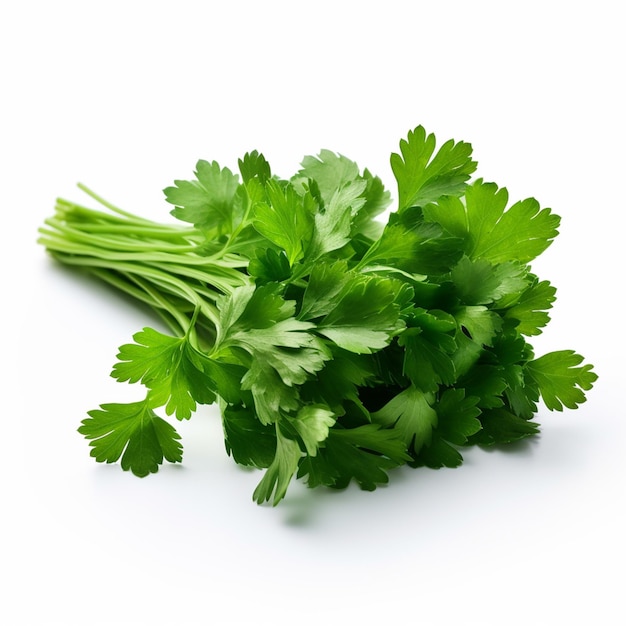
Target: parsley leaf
<point>170,367</point>
<point>135,433</point>
<point>424,178</point>
<point>274,484</point>
<point>286,219</point>
<point>363,454</point>
<point>207,201</point>
<point>411,414</point>
<point>520,233</point>
<point>561,378</point>
<point>530,310</point>
<point>364,316</point>
<point>429,344</point>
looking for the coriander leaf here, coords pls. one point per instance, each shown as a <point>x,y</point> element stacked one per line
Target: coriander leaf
<point>231,308</point>
<point>522,392</point>
<point>337,346</point>
<point>510,353</point>
<point>411,414</point>
<point>561,382</point>
<point>135,433</point>
<point>274,484</point>
<point>457,421</point>
<point>520,233</point>
<point>423,178</point>
<point>208,201</point>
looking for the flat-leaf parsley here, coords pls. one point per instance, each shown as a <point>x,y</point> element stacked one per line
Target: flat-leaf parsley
<point>336,345</point>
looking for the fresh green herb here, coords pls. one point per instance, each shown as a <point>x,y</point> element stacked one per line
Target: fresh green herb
<point>337,346</point>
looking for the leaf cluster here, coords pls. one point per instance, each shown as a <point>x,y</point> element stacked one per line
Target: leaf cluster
<point>338,344</point>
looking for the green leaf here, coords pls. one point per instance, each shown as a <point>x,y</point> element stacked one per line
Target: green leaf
<point>520,233</point>
<point>530,310</point>
<point>377,199</point>
<point>501,426</point>
<point>412,415</point>
<point>133,432</point>
<point>325,283</point>
<point>457,422</point>
<point>271,395</point>
<point>478,323</point>
<point>363,454</point>
<point>480,282</point>
<point>333,223</point>
<point>330,171</point>
<point>208,201</point>
<point>424,178</point>
<point>337,384</point>
<point>457,416</point>
<point>416,247</point>
<point>561,379</point>
<point>439,453</point>
<point>269,266</point>
<point>511,354</point>
<point>247,440</point>
<point>257,328</point>
<point>365,315</point>
<point>253,164</point>
<point>312,423</point>
<point>286,219</point>
<point>487,383</point>
<point>428,344</point>
<point>274,484</point>
<point>171,368</point>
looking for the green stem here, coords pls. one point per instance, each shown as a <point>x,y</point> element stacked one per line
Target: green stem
<point>110,206</point>
<point>164,280</point>
<point>124,283</point>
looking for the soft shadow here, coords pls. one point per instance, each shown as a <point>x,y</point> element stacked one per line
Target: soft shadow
<point>302,509</point>
<point>522,447</point>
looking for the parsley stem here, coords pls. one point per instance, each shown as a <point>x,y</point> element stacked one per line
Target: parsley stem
<point>167,281</point>
<point>87,218</point>
<point>122,283</point>
<point>108,205</point>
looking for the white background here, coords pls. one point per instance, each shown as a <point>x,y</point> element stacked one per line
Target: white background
<point>125,97</point>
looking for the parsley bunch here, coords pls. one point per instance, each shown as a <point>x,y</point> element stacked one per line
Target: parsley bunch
<point>337,346</point>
